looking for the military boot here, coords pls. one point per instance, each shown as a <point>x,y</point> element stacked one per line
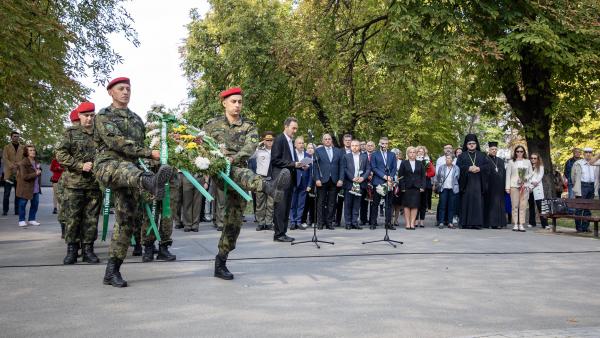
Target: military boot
<point>155,183</point>
<point>275,187</point>
<point>164,254</point>
<point>148,253</point>
<point>221,270</point>
<point>88,254</point>
<point>112,276</point>
<point>137,250</point>
<point>71,257</point>
<point>62,230</point>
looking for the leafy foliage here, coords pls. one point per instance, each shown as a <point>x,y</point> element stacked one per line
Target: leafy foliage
<point>44,47</point>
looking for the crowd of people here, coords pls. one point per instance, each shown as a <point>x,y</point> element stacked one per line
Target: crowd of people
<point>296,183</point>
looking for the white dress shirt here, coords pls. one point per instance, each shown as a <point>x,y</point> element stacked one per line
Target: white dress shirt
<point>587,172</point>
<point>448,176</point>
<point>356,158</point>
<point>300,155</point>
<point>412,165</point>
<point>329,153</point>
<point>290,144</point>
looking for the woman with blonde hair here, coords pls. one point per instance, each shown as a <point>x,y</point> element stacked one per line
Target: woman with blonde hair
<point>412,185</point>
<point>537,190</point>
<point>518,176</point>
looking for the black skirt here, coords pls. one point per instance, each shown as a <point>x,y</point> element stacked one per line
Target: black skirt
<point>397,198</point>
<point>411,198</point>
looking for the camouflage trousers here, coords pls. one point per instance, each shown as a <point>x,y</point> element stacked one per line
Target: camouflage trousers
<point>128,214</point>
<point>60,196</point>
<point>164,224</point>
<point>234,205</point>
<point>116,174</point>
<point>81,209</point>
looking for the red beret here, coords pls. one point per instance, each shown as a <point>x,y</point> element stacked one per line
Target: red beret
<point>74,116</point>
<point>118,80</point>
<point>85,107</point>
<point>231,91</point>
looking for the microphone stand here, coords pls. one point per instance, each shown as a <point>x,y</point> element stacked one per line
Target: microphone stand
<point>314,238</point>
<point>386,237</point>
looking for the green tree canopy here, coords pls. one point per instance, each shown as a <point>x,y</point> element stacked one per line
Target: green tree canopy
<point>44,47</point>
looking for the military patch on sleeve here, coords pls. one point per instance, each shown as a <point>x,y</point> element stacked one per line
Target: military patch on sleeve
<point>254,138</point>
<point>111,129</point>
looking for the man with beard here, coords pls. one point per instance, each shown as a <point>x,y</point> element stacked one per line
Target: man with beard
<point>494,213</point>
<point>473,166</point>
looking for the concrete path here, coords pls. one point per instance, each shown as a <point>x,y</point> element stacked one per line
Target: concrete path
<point>440,283</point>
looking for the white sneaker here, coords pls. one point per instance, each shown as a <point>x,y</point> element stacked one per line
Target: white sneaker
<point>455,220</point>
<point>23,224</point>
<point>515,227</point>
<point>529,225</point>
<point>34,223</point>
<point>521,228</point>
<point>303,225</point>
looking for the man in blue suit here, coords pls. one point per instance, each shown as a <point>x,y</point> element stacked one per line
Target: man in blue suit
<point>356,170</point>
<point>328,175</point>
<point>300,184</point>
<point>383,166</point>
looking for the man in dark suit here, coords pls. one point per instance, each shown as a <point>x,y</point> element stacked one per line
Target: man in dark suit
<point>383,166</point>
<point>328,176</point>
<point>356,170</point>
<point>302,181</point>
<point>283,155</point>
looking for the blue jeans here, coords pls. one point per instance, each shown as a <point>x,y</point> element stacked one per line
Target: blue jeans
<point>32,208</point>
<point>447,205</point>
<point>587,192</point>
<point>298,201</point>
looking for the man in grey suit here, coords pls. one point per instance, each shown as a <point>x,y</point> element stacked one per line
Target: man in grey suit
<point>356,171</point>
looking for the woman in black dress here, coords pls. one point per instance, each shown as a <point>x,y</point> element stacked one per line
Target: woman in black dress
<point>412,185</point>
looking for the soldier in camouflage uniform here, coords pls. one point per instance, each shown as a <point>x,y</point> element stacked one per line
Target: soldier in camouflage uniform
<point>80,195</point>
<point>119,134</point>
<point>238,138</point>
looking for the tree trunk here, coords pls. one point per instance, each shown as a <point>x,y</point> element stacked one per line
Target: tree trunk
<point>532,105</point>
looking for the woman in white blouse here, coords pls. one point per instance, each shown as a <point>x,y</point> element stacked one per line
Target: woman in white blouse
<point>537,190</point>
<point>517,185</point>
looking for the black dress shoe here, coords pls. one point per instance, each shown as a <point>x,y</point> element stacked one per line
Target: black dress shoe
<point>357,227</point>
<point>348,227</point>
<point>293,227</point>
<point>372,227</point>
<point>330,227</point>
<point>187,229</point>
<point>284,238</point>
<point>390,227</point>
<point>179,226</point>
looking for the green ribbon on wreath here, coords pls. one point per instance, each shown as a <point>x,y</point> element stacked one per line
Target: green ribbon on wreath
<point>153,226</point>
<point>224,175</point>
<point>197,185</point>
<point>105,213</point>
<point>164,159</point>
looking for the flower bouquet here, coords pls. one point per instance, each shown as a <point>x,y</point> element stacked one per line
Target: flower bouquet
<point>522,172</point>
<point>188,147</point>
<point>383,189</point>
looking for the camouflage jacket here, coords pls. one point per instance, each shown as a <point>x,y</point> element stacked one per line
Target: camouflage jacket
<point>239,138</point>
<point>119,135</point>
<point>76,148</point>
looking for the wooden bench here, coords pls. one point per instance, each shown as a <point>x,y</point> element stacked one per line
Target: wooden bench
<point>578,203</point>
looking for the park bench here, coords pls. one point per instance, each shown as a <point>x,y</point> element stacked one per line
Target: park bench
<point>578,203</point>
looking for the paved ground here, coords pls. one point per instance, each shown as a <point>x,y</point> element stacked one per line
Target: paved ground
<point>440,283</point>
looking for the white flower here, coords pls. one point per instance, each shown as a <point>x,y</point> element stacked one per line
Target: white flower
<point>201,133</point>
<point>154,114</point>
<point>154,142</point>
<point>153,132</point>
<point>217,153</point>
<point>178,149</point>
<point>152,125</point>
<point>382,189</point>
<point>202,163</point>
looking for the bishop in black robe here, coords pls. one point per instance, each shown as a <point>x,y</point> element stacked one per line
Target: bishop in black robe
<point>473,166</point>
<point>494,208</point>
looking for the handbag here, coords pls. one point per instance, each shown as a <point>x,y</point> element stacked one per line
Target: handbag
<point>554,206</point>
